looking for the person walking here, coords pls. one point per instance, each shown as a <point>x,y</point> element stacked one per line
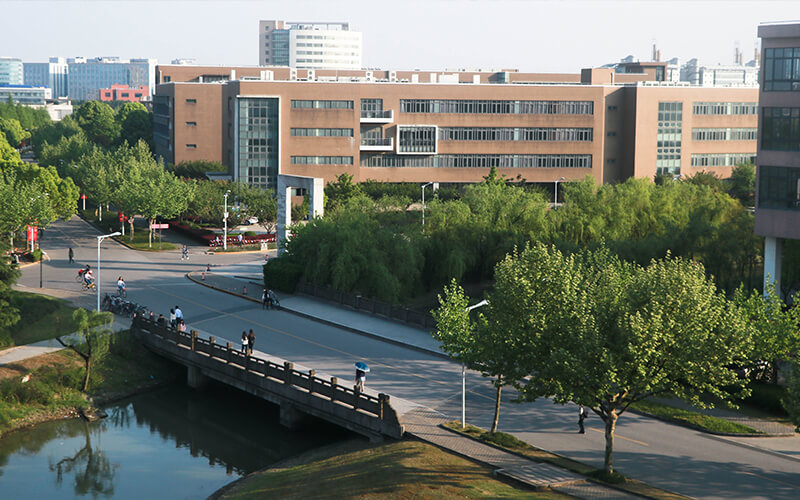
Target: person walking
<point>361,379</point>
<point>172,317</point>
<point>185,253</point>
<point>182,326</point>
<point>244,342</point>
<point>581,418</point>
<point>71,256</point>
<point>178,313</point>
<point>264,299</point>
<point>251,342</point>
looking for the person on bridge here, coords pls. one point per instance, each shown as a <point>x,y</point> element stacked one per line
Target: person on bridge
<point>172,319</point>
<point>251,342</point>
<point>581,418</point>
<point>244,342</point>
<point>178,313</point>
<point>71,255</point>
<point>361,379</point>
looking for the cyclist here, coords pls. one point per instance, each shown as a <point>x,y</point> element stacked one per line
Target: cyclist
<point>121,287</point>
<point>88,278</point>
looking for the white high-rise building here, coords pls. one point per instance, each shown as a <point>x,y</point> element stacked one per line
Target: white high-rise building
<point>309,45</point>
<point>53,74</point>
<point>10,71</point>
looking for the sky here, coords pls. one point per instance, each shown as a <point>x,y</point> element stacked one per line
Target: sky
<point>554,36</point>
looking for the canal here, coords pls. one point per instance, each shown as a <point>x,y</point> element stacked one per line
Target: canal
<point>169,443</point>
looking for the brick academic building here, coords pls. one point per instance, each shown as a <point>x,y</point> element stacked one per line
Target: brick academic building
<point>452,126</point>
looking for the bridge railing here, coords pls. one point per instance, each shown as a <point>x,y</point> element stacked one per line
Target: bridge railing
<point>285,373</point>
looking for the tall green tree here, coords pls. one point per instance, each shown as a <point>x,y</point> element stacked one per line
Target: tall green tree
<point>92,339</point>
<point>196,169</point>
<point>14,132</point>
<point>605,334</point>
<point>96,118</point>
<point>135,122</point>
<point>263,205</point>
<point>9,313</point>
<point>742,183</point>
<point>337,193</point>
<point>24,204</point>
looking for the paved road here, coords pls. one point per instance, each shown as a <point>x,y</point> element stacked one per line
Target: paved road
<point>672,457</point>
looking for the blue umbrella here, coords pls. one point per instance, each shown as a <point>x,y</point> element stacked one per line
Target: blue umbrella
<point>362,366</point>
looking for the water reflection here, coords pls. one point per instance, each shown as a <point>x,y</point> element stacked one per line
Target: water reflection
<point>172,443</point>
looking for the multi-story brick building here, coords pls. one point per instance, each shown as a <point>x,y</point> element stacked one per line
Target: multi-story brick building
<point>125,93</point>
<point>777,214</point>
<point>450,126</point>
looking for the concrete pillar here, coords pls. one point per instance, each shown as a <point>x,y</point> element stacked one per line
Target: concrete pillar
<point>773,254</point>
<point>284,211</point>
<point>316,201</point>
<point>195,378</point>
<point>291,417</point>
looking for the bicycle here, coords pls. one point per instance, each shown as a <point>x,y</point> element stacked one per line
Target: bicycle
<point>122,292</point>
<point>89,286</point>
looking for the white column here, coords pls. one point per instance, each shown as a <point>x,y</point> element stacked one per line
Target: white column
<point>316,200</point>
<point>284,211</point>
<point>773,252</point>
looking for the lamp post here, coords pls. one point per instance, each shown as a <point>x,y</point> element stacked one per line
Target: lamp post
<point>97,281</point>
<point>555,193</point>
<point>41,259</point>
<point>423,200</point>
<point>225,221</point>
<point>464,374</point>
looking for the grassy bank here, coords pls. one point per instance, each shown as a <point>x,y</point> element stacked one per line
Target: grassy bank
<point>41,318</point>
<point>692,419</point>
<point>110,224</point>
<point>356,469</point>
<point>510,443</point>
<point>51,390</point>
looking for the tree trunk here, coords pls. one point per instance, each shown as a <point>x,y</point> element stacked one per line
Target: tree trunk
<point>150,235</point>
<point>88,363</point>
<point>130,219</point>
<point>496,419</point>
<point>611,424</point>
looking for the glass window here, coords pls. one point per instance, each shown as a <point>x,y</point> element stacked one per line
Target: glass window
<point>779,187</point>
<point>782,69</point>
<point>780,129</point>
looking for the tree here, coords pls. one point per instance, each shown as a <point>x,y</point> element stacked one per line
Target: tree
<point>96,173</point>
<point>196,169</point>
<point>14,132</point>
<point>97,121</point>
<point>742,183</point>
<point>791,401</point>
<point>337,193</point>
<point>93,336</point>
<point>605,334</point>
<point>61,192</point>
<point>24,204</point>
<point>135,122</point>
<point>9,314</point>
<point>263,205</point>
<point>483,345</point>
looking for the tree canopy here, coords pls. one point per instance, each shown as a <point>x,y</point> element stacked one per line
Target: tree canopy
<point>97,120</point>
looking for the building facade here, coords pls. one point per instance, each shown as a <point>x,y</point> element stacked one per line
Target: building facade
<point>53,74</point>
<point>390,126</point>
<point>777,214</point>
<point>125,93</point>
<point>309,45</point>
<point>11,71</point>
<point>25,94</point>
<point>88,76</point>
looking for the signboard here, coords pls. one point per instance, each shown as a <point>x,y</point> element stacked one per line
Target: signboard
<point>159,226</point>
<point>33,232</point>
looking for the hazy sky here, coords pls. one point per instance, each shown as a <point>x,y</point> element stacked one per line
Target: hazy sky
<point>531,35</point>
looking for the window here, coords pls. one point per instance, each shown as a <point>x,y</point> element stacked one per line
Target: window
<point>416,139</point>
<point>782,69</point>
<point>612,108</point>
<point>722,159</point>
<point>725,108</point>
<point>372,108</point>
<point>464,106</point>
<point>191,101</point>
<point>780,129</point>
<point>515,134</point>
<point>124,94</point>
<point>611,134</point>
<point>668,150</point>
<point>309,104</point>
<point>724,134</point>
<point>191,124</point>
<point>322,160</point>
<point>322,132</point>
<point>191,146</point>
<point>779,187</point>
<point>479,161</point>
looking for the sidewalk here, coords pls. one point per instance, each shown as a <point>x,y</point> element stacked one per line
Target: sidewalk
<point>769,427</point>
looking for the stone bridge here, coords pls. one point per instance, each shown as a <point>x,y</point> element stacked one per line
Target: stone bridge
<point>297,393</point>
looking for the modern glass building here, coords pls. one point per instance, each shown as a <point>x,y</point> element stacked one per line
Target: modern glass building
<point>11,71</point>
<point>53,74</point>
<point>309,45</point>
<point>88,76</point>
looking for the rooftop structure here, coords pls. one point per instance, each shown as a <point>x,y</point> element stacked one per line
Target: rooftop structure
<point>309,45</point>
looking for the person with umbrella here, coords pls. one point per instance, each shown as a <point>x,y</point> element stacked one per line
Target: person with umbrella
<point>361,375</point>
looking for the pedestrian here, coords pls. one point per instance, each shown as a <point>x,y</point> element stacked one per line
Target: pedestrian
<point>272,299</point>
<point>172,317</point>
<point>185,253</point>
<point>240,237</point>
<point>244,290</point>
<point>208,268</point>
<point>71,255</point>
<point>244,342</point>
<point>264,299</point>
<point>251,341</point>
<point>160,320</point>
<point>178,313</point>
<point>182,326</point>
<point>361,379</point>
<point>581,418</point>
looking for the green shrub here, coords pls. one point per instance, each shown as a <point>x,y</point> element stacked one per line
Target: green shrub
<point>282,274</point>
<point>250,233</point>
<point>503,439</point>
<point>767,397</point>
<point>37,255</point>
<point>34,391</point>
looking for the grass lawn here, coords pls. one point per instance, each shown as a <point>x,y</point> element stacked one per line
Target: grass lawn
<point>41,318</point>
<point>699,420</point>
<point>510,443</point>
<point>356,469</point>
<point>110,224</point>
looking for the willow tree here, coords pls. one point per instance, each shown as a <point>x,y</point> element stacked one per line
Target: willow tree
<point>91,340</point>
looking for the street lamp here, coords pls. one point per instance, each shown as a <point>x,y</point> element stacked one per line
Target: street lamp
<point>555,194</point>
<point>464,374</point>
<point>97,280</point>
<point>423,200</point>
<point>41,259</point>
<point>225,221</point>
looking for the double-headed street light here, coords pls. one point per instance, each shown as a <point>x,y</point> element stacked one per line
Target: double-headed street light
<point>97,280</point>
<point>423,200</point>
<point>225,221</point>
<point>555,194</point>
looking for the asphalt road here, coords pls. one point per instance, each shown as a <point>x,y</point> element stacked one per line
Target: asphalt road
<point>672,457</point>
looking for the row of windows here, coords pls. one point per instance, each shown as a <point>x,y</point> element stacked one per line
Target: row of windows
<point>722,159</point>
<point>480,161</point>
<point>515,134</point>
<point>780,129</point>
<point>779,187</point>
<point>668,150</point>
<point>322,132</point>
<point>322,160</point>
<point>420,139</point>
<point>782,69</point>
<point>467,106</point>
<point>315,104</point>
<point>724,134</point>
<point>725,108</point>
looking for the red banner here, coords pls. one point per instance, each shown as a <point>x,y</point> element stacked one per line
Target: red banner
<point>33,233</point>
